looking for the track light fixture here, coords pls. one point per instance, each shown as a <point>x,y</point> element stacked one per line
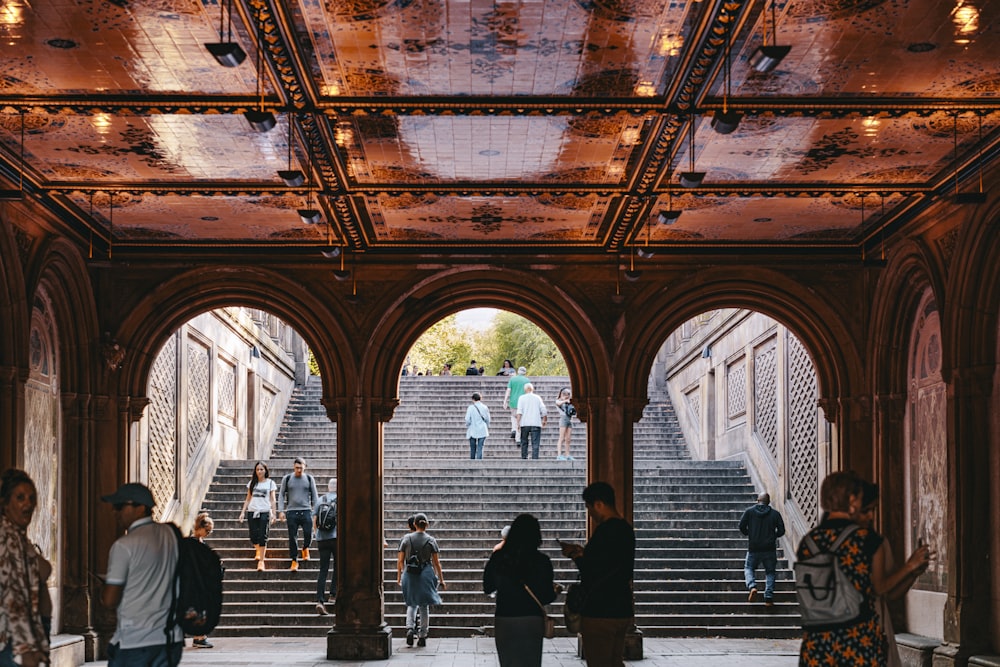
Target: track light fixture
<point>310,216</point>
<point>331,253</point>
<point>342,273</point>
<point>293,178</point>
<point>227,53</point>
<point>767,57</point>
<point>692,178</point>
<point>260,120</point>
<point>727,121</point>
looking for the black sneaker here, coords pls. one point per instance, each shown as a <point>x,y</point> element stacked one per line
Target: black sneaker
<point>409,637</point>
<point>202,643</point>
<point>422,641</point>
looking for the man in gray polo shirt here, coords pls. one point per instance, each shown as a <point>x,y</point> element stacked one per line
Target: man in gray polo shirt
<point>296,499</point>
<point>139,583</point>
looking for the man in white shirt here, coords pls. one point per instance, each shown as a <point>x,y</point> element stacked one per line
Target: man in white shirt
<point>139,583</point>
<point>531,417</point>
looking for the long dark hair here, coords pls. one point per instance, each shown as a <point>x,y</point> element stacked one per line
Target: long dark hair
<point>522,542</point>
<point>253,475</point>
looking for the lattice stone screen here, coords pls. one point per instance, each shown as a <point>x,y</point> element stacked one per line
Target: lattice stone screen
<point>766,395</point>
<point>736,392</point>
<point>803,429</point>
<point>693,398</point>
<point>227,392</point>
<point>163,425</point>
<point>199,385</point>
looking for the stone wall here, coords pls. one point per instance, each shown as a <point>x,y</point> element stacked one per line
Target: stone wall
<point>218,389</point>
<point>745,387</point>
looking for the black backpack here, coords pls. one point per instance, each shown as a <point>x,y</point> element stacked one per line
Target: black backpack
<point>326,513</point>
<point>197,591</point>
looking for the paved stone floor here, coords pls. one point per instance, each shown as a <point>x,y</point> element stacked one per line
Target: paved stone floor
<point>480,652</point>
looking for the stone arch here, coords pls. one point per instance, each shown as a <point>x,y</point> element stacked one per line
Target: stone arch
<point>903,284</point>
<point>164,309</point>
<point>60,272</point>
<point>14,317</point>
<point>528,295</point>
<point>819,326</point>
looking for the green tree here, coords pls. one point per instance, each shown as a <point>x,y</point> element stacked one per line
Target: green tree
<point>515,338</point>
<point>444,342</point>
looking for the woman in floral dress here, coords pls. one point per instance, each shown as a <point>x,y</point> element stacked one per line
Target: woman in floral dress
<point>863,559</point>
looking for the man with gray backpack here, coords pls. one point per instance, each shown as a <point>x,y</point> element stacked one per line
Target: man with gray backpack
<point>325,528</point>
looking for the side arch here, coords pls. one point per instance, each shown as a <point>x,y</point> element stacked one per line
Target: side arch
<point>61,272</point>
<point>822,329</point>
<point>528,295</point>
<point>172,303</point>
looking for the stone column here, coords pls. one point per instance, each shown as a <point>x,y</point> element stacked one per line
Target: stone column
<point>967,611</point>
<point>11,414</point>
<point>610,459</point>
<point>79,500</point>
<point>360,631</point>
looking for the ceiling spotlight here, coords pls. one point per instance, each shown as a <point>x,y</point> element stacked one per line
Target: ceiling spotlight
<point>310,216</point>
<point>668,217</point>
<point>342,274</point>
<point>331,253</point>
<point>293,178</point>
<point>262,121</point>
<point>766,58</point>
<point>692,179</point>
<point>726,122</point>
<point>227,54</point>
<point>632,275</point>
<point>645,253</point>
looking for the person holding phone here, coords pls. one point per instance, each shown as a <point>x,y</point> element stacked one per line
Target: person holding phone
<point>606,564</point>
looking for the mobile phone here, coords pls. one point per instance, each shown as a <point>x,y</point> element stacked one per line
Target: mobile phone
<point>920,541</point>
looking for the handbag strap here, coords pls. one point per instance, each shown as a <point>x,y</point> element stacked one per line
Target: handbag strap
<point>540,606</point>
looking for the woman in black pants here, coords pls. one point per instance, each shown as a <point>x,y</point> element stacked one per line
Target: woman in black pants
<point>260,503</point>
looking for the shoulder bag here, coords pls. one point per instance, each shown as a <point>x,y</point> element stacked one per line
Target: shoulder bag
<point>550,623</point>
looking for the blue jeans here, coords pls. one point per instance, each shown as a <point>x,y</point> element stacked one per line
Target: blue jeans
<point>296,519</point>
<point>535,434</point>
<point>476,447</point>
<point>769,561</point>
<point>146,656</point>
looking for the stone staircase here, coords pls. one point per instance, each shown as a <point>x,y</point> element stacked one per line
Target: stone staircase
<point>688,579</point>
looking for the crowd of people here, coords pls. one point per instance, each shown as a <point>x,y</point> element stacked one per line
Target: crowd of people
<point>517,575</point>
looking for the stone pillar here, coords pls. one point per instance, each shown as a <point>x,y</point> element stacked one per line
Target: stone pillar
<point>854,426</point>
<point>610,459</point>
<point>11,414</point>
<point>360,631</point>
<point>967,611</point>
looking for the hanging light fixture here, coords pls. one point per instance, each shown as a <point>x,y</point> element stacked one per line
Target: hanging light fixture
<point>330,251</point>
<point>669,215</point>
<point>309,215</point>
<point>727,121</point>
<point>342,273</point>
<point>631,274</point>
<point>260,120</point>
<point>767,57</point>
<point>16,195</point>
<point>645,251</point>
<point>692,178</point>
<point>293,178</point>
<point>227,53</point>
<point>971,197</point>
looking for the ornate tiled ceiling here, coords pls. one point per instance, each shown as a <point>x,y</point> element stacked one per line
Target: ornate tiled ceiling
<point>523,125</point>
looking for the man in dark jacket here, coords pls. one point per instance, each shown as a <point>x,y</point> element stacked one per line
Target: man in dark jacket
<point>763,526</point>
